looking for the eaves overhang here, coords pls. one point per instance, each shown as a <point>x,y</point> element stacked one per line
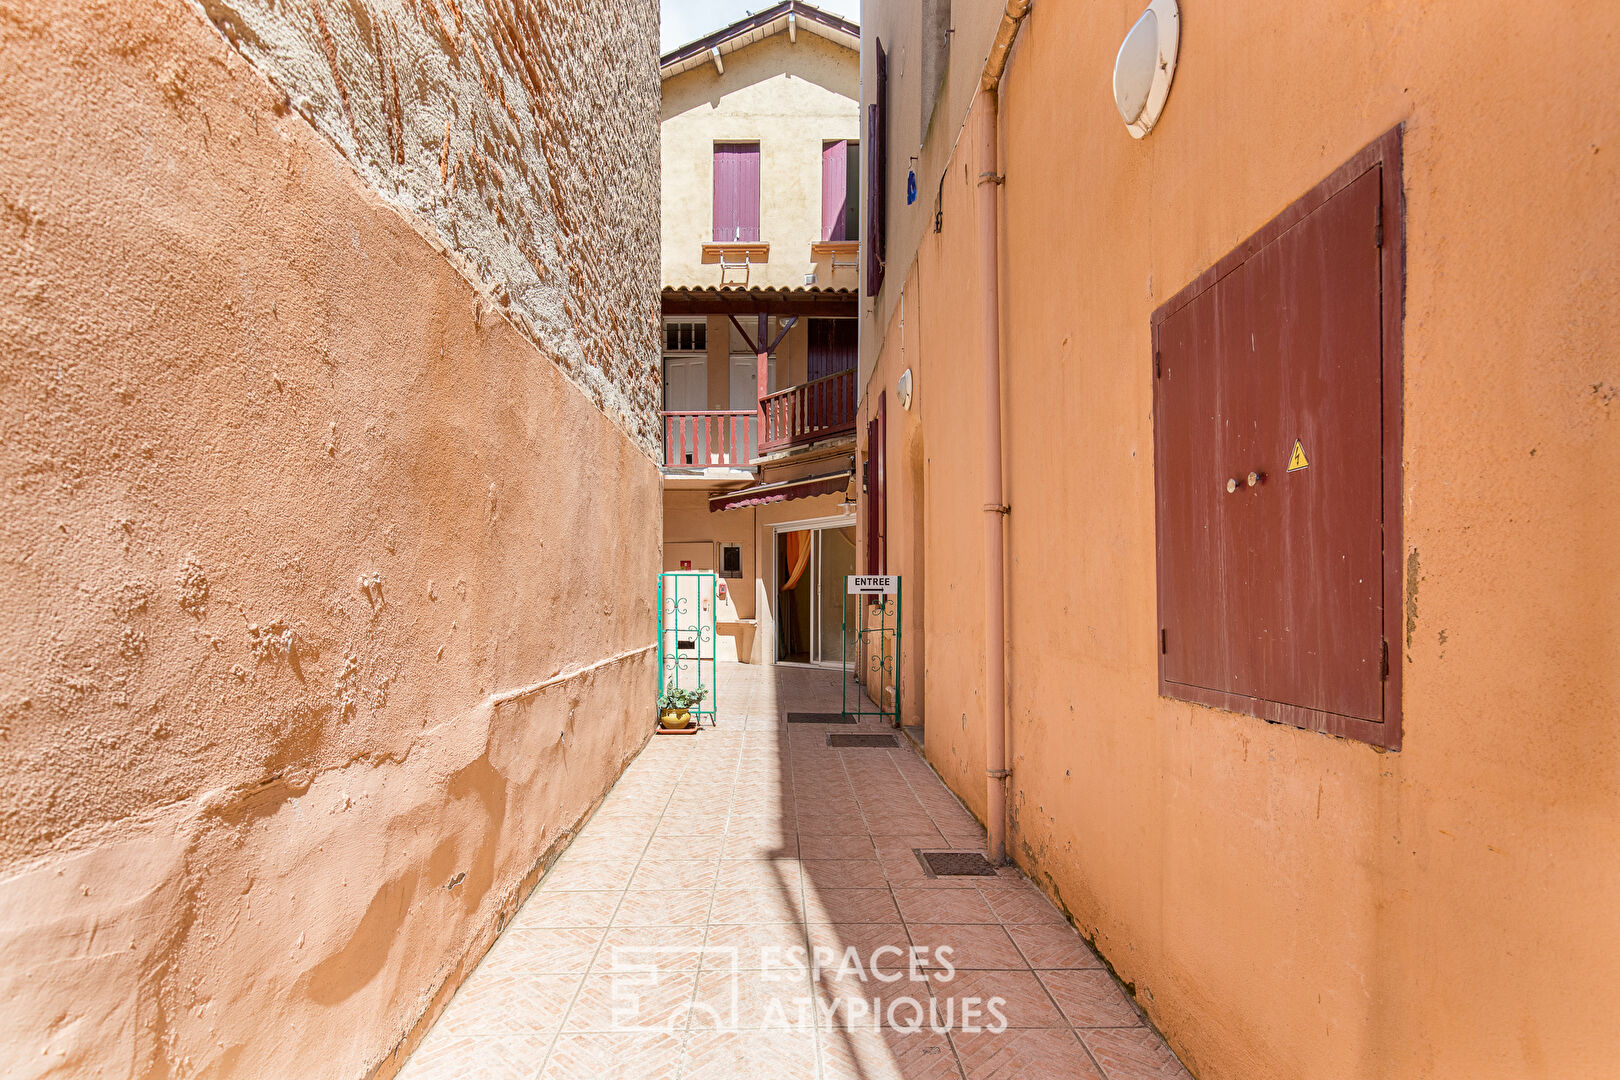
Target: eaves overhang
<point>788,17</point>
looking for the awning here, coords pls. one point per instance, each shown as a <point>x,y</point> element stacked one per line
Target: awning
<point>781,491</point>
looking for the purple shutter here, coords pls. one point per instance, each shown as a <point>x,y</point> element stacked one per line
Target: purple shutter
<point>748,192</point>
<point>834,185</point>
<point>725,193</point>
<point>736,192</point>
<point>877,172</point>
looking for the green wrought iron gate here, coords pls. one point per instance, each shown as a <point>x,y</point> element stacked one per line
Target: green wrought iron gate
<point>686,635</point>
<point>873,602</point>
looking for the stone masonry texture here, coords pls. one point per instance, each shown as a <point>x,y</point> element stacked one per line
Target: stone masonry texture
<point>520,133</point>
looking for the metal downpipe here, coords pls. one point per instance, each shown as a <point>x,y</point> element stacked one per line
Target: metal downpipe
<point>995,508</point>
<point>995,627</point>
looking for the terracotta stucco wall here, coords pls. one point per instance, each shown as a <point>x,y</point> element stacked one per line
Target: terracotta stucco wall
<point>1287,904</point>
<point>788,97</point>
<point>298,525</point>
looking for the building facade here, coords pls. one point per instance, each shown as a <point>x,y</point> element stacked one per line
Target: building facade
<point>761,150</point>
<point>1259,584</point>
<point>307,674</point>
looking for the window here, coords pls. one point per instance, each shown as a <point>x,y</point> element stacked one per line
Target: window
<point>736,192</point>
<point>731,560</point>
<point>685,336</point>
<point>877,171</point>
<point>840,190</point>
<point>1277,465</point>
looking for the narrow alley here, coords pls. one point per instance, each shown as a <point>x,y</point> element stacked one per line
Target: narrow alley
<point>671,938</point>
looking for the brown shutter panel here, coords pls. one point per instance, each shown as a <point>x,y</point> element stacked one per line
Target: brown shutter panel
<point>877,172</point>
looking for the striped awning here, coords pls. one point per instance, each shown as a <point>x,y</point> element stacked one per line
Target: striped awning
<point>781,491</point>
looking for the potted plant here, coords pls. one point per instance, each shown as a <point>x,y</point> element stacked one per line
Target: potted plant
<point>675,705</point>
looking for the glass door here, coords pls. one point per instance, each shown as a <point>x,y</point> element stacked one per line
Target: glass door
<point>811,565</point>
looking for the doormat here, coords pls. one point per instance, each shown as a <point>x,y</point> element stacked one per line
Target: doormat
<point>954,863</point>
<point>840,739</point>
<point>819,718</point>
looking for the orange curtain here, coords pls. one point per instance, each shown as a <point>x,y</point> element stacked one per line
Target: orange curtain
<point>798,557</point>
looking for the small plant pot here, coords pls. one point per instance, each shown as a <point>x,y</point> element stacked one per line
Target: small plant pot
<point>675,719</point>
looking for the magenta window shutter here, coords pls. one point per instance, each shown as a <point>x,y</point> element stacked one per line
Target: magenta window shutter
<point>736,192</point>
<point>834,190</point>
<point>748,192</point>
<point>725,193</point>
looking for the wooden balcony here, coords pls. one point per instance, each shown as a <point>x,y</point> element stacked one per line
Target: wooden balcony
<point>809,412</point>
<point>702,440</point>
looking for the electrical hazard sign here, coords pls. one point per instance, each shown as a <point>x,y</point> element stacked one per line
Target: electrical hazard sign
<point>1296,460</point>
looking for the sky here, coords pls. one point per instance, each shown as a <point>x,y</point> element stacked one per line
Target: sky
<point>688,20</point>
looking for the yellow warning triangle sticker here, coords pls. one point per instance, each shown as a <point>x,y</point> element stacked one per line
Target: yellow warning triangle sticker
<point>1296,460</point>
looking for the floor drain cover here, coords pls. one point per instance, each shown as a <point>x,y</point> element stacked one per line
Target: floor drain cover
<point>860,740</point>
<point>819,718</point>
<point>956,864</point>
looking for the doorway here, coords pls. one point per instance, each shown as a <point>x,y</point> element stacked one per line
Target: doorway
<point>812,561</point>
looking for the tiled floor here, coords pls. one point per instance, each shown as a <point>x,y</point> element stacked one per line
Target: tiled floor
<point>747,903</point>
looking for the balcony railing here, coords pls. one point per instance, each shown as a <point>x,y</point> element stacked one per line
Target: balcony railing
<point>809,412</point>
<point>705,439</point>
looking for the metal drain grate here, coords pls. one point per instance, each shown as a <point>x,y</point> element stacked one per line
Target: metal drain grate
<point>955,864</point>
<point>840,739</point>
<point>819,718</point>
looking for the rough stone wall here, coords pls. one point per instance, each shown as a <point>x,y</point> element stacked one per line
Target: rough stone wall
<point>324,592</point>
<point>518,131</point>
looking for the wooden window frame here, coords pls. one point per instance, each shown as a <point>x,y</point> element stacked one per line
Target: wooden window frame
<point>1386,152</point>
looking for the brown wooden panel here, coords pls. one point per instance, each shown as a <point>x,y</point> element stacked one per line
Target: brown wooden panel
<point>1277,599</point>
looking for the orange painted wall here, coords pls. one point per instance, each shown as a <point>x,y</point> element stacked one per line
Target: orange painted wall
<point>326,595</point>
<point>1286,904</point>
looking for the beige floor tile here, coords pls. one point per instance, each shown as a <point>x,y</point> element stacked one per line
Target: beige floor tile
<point>1018,996</point>
<point>653,948</point>
<point>509,1004</point>
<point>663,907</point>
<point>943,906</point>
<point>1090,998</point>
<point>645,1003</point>
<point>886,1055</point>
<point>850,905</point>
<point>489,1057</point>
<point>1133,1054</point>
<point>1049,945</point>
<point>565,909</point>
<point>607,1056</point>
<point>772,999</point>
<point>541,951</point>
<point>750,1055</point>
<point>1050,1054</point>
<point>972,947</point>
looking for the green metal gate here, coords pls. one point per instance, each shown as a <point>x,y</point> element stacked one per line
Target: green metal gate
<point>686,635</point>
<point>873,600</point>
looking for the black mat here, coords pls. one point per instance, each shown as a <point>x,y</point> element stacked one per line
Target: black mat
<point>840,739</point>
<point>819,718</point>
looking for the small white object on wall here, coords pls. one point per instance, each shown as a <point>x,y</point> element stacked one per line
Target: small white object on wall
<point>1145,66</point>
<point>902,389</point>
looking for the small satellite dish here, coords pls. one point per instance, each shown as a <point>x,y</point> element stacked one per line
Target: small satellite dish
<point>902,389</point>
<point>1145,66</point>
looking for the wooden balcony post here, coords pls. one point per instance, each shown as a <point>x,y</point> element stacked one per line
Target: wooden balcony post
<point>763,343</point>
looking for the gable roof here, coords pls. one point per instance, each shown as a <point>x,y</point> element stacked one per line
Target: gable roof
<point>790,16</point>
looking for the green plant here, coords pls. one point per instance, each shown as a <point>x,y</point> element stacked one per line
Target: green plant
<point>685,698</point>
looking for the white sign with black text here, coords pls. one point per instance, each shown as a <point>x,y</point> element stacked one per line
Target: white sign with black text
<point>873,584</point>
